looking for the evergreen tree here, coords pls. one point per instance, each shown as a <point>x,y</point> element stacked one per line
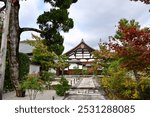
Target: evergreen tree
<point>51,34</point>
<point>53,22</point>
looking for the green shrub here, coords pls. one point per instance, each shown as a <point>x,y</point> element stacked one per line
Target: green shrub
<point>105,84</point>
<point>126,88</point>
<point>129,89</point>
<point>144,86</point>
<point>33,84</point>
<point>24,64</point>
<point>47,77</point>
<point>120,88</point>
<point>118,84</point>
<point>62,87</point>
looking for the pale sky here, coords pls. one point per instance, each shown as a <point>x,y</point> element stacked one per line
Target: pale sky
<point>93,19</point>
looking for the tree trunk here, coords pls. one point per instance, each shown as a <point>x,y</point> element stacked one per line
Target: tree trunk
<point>62,71</point>
<point>13,46</point>
<point>58,71</point>
<point>4,47</point>
<point>20,93</point>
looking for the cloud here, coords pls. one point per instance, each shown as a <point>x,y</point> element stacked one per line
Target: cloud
<point>75,36</point>
<point>93,19</point>
<point>29,12</point>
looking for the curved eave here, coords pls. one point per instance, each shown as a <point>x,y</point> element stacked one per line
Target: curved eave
<point>78,47</point>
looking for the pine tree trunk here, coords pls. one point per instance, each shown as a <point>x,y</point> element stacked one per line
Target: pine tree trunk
<point>13,46</point>
<point>3,50</point>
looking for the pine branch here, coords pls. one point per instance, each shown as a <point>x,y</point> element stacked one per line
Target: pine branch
<point>30,29</point>
<point>2,8</point>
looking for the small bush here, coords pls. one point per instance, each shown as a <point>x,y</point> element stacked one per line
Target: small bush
<point>33,84</point>
<point>119,85</point>
<point>144,86</point>
<point>127,88</point>
<point>62,87</point>
<point>47,77</point>
<point>120,89</point>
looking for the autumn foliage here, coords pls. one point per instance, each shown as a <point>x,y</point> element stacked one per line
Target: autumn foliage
<point>129,50</point>
<point>103,57</point>
<point>132,44</point>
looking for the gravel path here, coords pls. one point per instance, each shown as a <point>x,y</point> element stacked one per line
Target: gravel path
<point>81,93</point>
<point>45,95</point>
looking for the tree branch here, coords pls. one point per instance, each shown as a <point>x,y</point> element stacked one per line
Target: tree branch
<point>2,8</point>
<point>30,29</point>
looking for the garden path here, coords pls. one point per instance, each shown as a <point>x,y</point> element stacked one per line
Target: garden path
<point>86,89</point>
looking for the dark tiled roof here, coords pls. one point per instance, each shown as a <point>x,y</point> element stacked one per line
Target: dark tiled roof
<point>25,48</point>
<point>80,47</point>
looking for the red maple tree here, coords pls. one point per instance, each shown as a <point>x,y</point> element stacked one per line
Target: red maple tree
<point>132,44</point>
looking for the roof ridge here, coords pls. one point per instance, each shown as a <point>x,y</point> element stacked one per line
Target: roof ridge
<point>82,42</point>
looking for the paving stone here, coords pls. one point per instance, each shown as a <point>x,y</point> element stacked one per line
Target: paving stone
<point>83,91</point>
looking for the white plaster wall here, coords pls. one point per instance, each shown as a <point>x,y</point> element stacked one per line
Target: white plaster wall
<point>34,69</point>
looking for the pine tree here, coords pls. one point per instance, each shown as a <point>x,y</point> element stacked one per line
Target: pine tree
<point>15,31</point>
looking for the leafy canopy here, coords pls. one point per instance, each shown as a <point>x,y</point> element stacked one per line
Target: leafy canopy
<point>55,21</point>
<point>132,44</point>
<point>41,55</point>
<point>103,57</point>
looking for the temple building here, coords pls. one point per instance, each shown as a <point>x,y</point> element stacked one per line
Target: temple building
<point>80,59</point>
